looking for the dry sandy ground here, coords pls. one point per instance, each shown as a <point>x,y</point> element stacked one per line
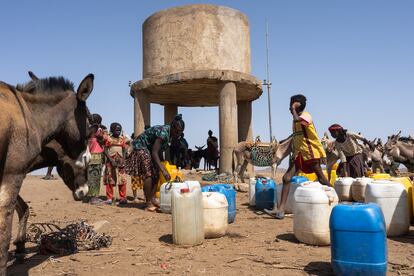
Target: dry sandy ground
<point>142,244</point>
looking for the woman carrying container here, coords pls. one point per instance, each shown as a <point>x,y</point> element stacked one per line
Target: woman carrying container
<point>350,152</point>
<point>144,161</point>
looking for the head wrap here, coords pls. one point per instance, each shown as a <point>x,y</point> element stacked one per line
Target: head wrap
<point>335,127</point>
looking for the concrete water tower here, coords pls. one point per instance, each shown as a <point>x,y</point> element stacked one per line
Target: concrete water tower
<point>199,55</point>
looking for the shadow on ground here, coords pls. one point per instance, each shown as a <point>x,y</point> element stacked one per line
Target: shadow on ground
<point>407,238</point>
<point>21,267</point>
<point>287,237</point>
<point>319,268</point>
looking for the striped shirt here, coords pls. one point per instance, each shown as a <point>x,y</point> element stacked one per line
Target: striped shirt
<point>350,146</point>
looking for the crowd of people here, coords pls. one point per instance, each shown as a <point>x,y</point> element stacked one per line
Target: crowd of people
<point>118,156</point>
<point>308,151</point>
<point>140,156</point>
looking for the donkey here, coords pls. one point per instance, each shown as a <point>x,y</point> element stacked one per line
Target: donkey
<point>373,156</point>
<point>332,154</point>
<point>243,153</point>
<point>32,115</point>
<point>197,155</point>
<point>401,150</point>
<point>72,171</point>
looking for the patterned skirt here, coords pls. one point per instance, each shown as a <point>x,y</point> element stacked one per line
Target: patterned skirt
<point>139,163</point>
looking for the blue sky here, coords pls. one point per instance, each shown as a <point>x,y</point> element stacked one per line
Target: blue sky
<point>354,60</point>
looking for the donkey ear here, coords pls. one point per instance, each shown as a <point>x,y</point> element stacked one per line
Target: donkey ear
<point>33,76</point>
<point>398,134</point>
<point>85,87</point>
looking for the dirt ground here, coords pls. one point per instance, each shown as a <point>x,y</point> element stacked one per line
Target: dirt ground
<point>142,242</point>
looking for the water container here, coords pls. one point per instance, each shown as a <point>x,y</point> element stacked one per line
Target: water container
<point>187,216</point>
<point>314,177</point>
<point>359,242</point>
<point>175,174</point>
<point>392,198</point>
<point>378,176</point>
<point>215,214</point>
<point>313,206</point>
<point>343,188</point>
<point>408,185</point>
<point>265,193</point>
<point>252,191</point>
<point>166,191</point>
<point>229,192</point>
<point>358,188</point>
<point>294,183</point>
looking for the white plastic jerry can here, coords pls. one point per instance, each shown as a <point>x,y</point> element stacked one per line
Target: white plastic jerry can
<point>187,216</point>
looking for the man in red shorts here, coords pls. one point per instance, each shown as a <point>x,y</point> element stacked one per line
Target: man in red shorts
<point>307,152</point>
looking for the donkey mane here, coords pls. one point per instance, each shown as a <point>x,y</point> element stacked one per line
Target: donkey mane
<point>49,85</point>
<point>406,139</point>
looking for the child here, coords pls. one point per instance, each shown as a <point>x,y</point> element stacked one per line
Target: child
<point>136,181</point>
<point>307,152</point>
<point>115,150</point>
<point>95,145</point>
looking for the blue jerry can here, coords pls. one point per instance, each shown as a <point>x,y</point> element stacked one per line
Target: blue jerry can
<point>358,239</point>
<point>265,193</point>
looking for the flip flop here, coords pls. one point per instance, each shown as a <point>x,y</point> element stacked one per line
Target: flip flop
<point>275,214</point>
<point>151,209</point>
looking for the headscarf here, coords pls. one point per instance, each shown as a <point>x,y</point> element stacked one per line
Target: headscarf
<point>335,127</point>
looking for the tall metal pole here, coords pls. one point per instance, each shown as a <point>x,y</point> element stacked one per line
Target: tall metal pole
<point>267,81</point>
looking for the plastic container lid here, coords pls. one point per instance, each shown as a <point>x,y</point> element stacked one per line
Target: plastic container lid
<point>185,190</point>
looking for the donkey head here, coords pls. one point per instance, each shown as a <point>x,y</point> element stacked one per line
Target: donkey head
<point>391,149</point>
<point>73,124</point>
<point>73,175</point>
<point>391,144</point>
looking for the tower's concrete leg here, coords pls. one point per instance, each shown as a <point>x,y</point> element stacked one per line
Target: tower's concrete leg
<point>142,113</point>
<point>228,125</point>
<point>245,125</point>
<point>170,110</point>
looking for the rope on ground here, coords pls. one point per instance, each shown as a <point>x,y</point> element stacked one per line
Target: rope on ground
<point>76,236</point>
<point>222,178</point>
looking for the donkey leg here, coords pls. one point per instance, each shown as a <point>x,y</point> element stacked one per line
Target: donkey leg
<point>23,212</point>
<point>242,170</point>
<point>9,189</point>
<point>273,169</point>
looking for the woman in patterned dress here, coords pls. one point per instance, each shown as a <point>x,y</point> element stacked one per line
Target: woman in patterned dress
<point>145,161</point>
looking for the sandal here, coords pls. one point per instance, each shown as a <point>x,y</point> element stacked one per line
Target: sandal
<point>275,214</point>
<point>151,209</point>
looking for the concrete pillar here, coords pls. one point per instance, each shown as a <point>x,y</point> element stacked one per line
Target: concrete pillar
<point>170,110</point>
<point>228,125</point>
<point>142,112</point>
<point>245,125</point>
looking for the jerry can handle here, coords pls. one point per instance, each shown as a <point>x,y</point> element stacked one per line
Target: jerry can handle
<point>168,186</point>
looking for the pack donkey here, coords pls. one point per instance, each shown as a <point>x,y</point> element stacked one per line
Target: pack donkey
<point>249,153</point>
<point>34,114</point>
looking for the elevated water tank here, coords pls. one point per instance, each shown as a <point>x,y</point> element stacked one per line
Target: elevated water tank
<point>195,37</point>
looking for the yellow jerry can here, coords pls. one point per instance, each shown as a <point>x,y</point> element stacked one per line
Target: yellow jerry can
<point>175,174</point>
<point>406,182</point>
